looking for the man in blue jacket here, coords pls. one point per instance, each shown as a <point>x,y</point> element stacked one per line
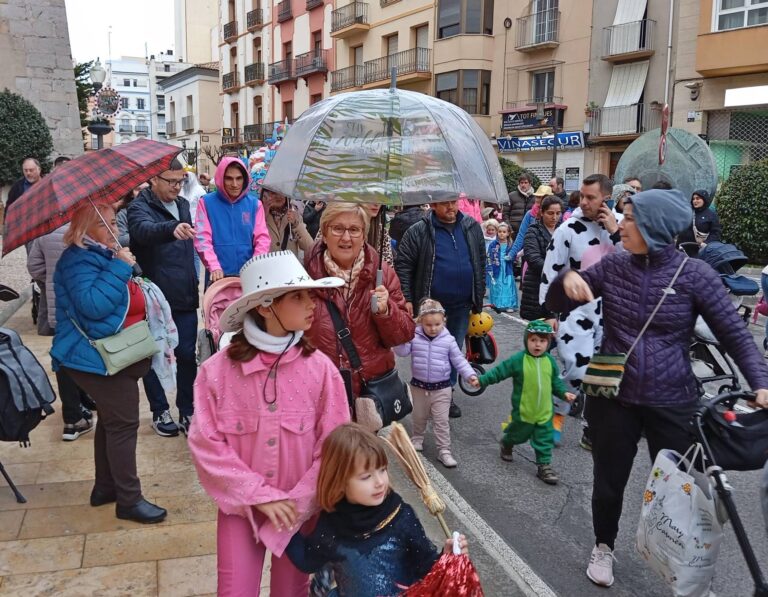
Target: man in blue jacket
<point>442,256</point>
<point>161,232</point>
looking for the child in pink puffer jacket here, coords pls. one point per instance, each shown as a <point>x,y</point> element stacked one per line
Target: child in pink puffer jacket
<point>433,350</point>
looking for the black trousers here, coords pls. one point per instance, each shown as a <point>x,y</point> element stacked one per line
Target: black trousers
<point>615,429</point>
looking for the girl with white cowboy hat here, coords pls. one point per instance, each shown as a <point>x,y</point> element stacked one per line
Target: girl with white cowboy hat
<point>263,407</point>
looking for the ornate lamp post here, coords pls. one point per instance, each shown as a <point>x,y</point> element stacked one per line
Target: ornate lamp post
<point>99,125</point>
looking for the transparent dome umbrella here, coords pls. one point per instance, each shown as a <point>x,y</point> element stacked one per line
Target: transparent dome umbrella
<point>386,146</point>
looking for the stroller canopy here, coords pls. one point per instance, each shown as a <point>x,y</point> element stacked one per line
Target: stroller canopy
<point>724,258</point>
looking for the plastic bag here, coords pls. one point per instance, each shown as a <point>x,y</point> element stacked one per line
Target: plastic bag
<point>679,533</point>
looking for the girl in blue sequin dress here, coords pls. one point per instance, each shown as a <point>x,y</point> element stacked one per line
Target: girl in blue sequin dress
<point>503,294</point>
<point>371,539</point>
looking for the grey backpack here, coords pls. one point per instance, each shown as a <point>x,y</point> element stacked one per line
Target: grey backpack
<point>26,394</point>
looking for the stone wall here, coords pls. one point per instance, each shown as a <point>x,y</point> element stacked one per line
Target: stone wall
<point>37,64</point>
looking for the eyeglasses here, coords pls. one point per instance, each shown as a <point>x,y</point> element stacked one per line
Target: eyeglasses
<point>339,230</point>
<point>173,183</point>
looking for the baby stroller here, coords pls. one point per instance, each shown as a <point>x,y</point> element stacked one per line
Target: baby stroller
<point>710,364</point>
<point>218,297</point>
<point>733,441</point>
<point>481,349</point>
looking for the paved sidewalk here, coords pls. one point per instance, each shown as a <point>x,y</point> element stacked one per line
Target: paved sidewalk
<point>57,544</point>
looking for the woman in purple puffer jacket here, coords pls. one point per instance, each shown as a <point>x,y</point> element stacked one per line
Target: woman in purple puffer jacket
<point>433,350</point>
<point>658,394</point>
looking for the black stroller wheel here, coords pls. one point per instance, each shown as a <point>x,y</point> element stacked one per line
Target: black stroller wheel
<point>468,389</point>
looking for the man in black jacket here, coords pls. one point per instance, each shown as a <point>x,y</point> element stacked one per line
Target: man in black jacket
<point>161,233</point>
<point>442,256</point>
<point>32,171</point>
<point>520,201</point>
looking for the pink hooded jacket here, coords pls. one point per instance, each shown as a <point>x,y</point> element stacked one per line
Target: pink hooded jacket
<point>204,241</point>
<point>470,207</point>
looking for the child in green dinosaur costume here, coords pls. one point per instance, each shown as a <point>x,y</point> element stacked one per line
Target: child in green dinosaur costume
<point>536,378</point>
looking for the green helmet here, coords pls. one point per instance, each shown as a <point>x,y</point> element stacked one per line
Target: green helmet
<point>538,326</point>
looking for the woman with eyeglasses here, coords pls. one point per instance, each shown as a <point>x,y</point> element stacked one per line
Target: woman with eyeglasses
<point>343,252</point>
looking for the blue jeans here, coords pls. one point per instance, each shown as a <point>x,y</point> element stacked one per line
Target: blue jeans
<point>457,322</point>
<point>186,368</point>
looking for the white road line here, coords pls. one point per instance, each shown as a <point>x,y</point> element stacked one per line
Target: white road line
<point>520,573</point>
<point>515,318</point>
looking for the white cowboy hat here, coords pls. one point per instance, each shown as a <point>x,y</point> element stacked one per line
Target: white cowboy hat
<point>266,277</point>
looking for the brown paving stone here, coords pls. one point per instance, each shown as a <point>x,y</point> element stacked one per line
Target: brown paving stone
<point>21,474</point>
<point>43,451</point>
<point>136,580</point>
<point>61,471</point>
<point>83,519</point>
<point>48,495</point>
<point>10,523</point>
<point>150,543</point>
<point>171,484</point>
<point>40,555</point>
<point>187,576</point>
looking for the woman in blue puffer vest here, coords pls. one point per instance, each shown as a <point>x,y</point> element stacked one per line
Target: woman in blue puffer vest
<point>96,298</point>
<point>658,394</point>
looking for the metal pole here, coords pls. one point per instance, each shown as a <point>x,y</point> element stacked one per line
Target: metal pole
<point>669,51</point>
<point>554,147</point>
<point>197,156</point>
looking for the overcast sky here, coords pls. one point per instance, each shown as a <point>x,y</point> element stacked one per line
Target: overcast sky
<point>133,24</point>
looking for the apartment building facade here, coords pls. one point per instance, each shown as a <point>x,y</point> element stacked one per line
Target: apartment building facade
<point>245,35</point>
<point>372,38</point>
<point>539,85</point>
<point>301,56</point>
<point>195,27</point>
<point>194,112</point>
<point>627,76</point>
<point>720,88</point>
<point>129,76</point>
<point>161,67</point>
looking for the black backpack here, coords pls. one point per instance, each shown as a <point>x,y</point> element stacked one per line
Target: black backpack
<point>26,394</point>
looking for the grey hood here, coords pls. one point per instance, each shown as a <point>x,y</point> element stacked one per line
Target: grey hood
<point>660,216</point>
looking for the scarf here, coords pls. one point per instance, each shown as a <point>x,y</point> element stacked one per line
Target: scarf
<point>355,521</point>
<point>523,193</point>
<point>350,279</point>
<point>266,342</point>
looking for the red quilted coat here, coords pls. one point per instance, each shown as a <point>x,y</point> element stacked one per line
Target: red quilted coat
<point>374,335</point>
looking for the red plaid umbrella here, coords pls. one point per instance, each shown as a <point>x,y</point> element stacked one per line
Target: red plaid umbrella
<point>102,176</point>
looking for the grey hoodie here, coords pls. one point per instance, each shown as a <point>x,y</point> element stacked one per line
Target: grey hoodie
<point>660,215</point>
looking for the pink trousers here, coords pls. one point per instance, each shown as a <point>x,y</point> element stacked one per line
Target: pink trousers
<point>432,404</point>
<point>241,559</point>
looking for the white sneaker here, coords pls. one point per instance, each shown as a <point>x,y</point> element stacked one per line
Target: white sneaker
<point>447,460</point>
<point>600,569</point>
<point>418,445</point>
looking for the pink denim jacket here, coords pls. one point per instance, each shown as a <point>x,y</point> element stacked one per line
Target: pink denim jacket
<point>248,451</point>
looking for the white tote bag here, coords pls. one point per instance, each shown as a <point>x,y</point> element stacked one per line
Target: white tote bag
<point>679,534</point>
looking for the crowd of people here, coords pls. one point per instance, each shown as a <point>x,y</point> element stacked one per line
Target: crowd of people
<point>268,416</point>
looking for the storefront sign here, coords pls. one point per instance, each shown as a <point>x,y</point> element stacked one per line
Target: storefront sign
<point>570,140</point>
<point>517,121</point>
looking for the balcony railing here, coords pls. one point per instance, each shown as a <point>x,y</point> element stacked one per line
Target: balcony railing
<point>281,71</point>
<point>161,106</point>
<point>142,129</point>
<point>415,60</point>
<point>628,38</point>
<point>170,128</point>
<point>384,3</point>
<point>124,128</point>
<point>530,104</point>
<point>230,81</point>
<point>315,61</point>
<point>232,139</point>
<point>284,12</point>
<point>188,123</point>
<point>254,73</point>
<point>258,132</point>
<point>314,4</point>
<point>623,120</point>
<point>230,31</point>
<point>539,30</point>
<point>255,18</point>
<point>348,78</point>
<point>353,13</point>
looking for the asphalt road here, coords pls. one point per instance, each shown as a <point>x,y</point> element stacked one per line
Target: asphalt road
<point>550,527</point>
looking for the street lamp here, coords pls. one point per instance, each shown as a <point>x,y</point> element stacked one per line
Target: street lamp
<point>98,75</point>
<point>98,126</point>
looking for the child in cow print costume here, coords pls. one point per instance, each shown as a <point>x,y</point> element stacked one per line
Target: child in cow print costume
<point>590,233</point>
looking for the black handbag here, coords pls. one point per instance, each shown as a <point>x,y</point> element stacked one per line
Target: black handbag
<point>383,399</point>
<point>741,445</point>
